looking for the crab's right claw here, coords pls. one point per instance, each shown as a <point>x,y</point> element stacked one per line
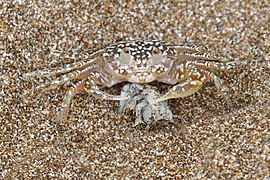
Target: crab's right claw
<point>182,90</point>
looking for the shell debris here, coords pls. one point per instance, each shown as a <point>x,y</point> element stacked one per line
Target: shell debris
<point>143,100</point>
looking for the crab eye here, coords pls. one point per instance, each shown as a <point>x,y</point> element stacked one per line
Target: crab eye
<point>125,56</point>
<point>126,50</point>
<point>156,56</point>
<point>155,50</point>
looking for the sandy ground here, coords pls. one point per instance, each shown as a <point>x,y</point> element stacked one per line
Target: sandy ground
<point>211,138</point>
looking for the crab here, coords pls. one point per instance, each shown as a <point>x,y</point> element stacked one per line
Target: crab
<point>183,66</point>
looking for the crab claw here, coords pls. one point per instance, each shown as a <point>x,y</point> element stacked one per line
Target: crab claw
<point>182,90</point>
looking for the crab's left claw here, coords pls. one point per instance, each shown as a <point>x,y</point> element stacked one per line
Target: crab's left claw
<point>103,95</point>
<point>182,90</point>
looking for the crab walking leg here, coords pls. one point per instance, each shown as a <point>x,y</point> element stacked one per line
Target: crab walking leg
<point>79,74</point>
<point>75,55</point>
<point>75,89</point>
<point>200,57</point>
<point>65,69</point>
<point>190,48</point>
<point>80,88</point>
<point>220,87</point>
<point>191,52</point>
<point>182,90</point>
<point>214,66</point>
<point>218,83</point>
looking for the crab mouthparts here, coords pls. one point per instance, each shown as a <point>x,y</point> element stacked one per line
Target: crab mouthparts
<point>142,80</point>
<point>142,76</point>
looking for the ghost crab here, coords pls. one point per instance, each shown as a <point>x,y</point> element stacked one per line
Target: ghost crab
<point>185,67</point>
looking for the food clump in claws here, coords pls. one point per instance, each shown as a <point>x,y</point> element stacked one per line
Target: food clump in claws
<point>144,101</point>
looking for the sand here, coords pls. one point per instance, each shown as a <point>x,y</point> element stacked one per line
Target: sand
<point>212,138</point>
